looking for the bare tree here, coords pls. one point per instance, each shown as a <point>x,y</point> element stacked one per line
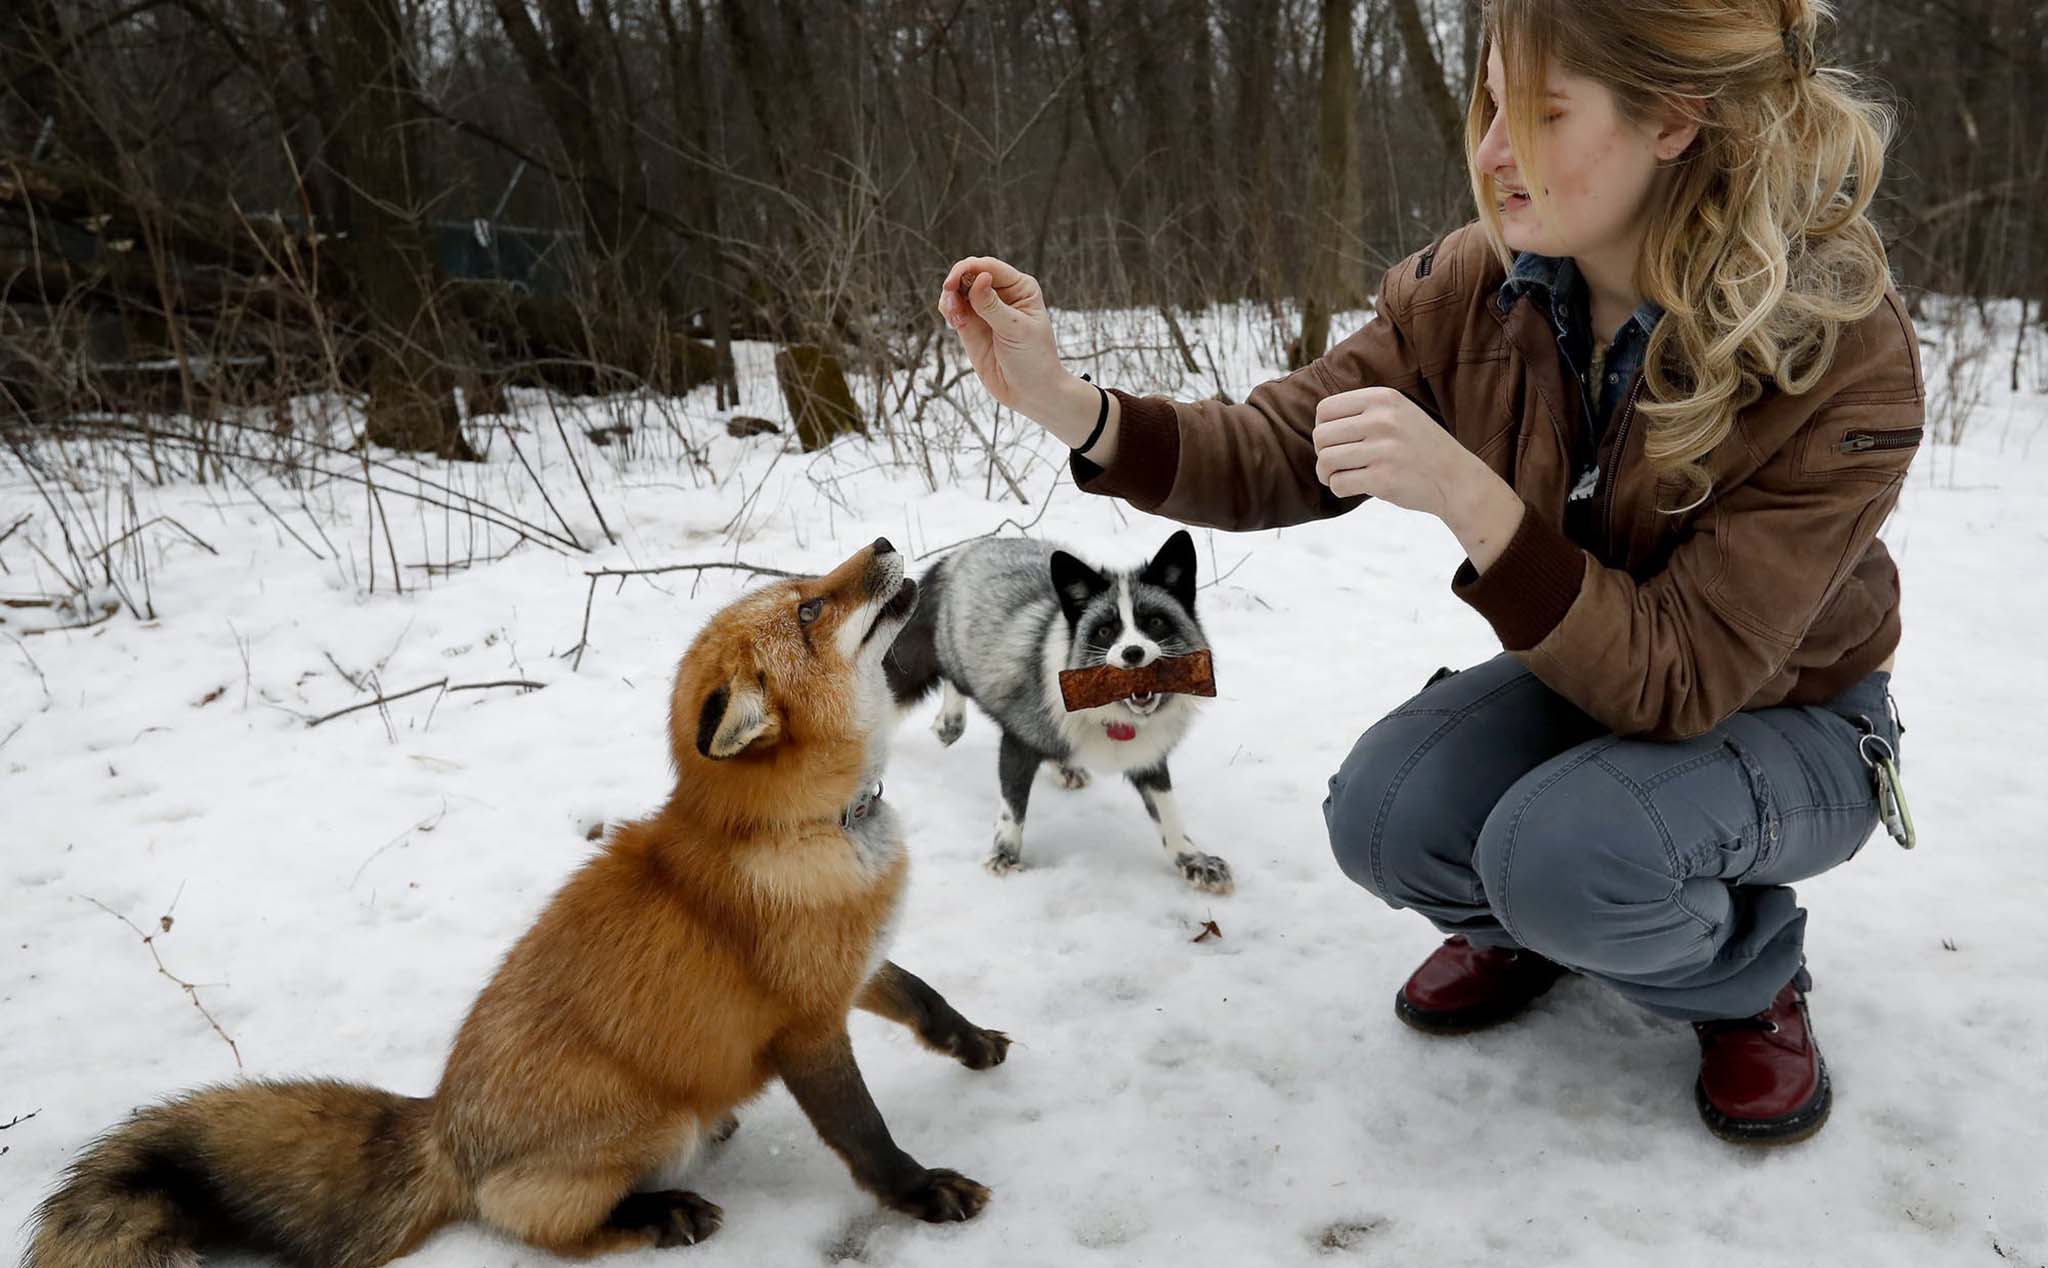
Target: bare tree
<point>383,250</point>
<point>1426,72</point>
<point>1322,288</point>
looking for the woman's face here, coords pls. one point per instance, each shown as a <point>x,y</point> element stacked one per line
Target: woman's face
<point>1599,166</point>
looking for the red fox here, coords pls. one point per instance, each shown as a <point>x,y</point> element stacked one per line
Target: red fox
<point>710,948</point>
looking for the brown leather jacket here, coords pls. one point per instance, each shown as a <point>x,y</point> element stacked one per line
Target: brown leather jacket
<point>1775,591</point>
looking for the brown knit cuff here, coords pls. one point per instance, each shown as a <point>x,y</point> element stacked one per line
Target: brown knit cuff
<point>1147,454</point>
<point>1527,591</point>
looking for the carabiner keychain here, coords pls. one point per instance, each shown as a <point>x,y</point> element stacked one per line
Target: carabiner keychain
<point>1883,760</point>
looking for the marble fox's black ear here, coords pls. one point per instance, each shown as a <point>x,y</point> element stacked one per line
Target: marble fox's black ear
<point>1075,583</point>
<point>1173,569</point>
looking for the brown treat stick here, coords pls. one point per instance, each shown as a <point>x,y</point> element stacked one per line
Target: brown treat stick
<point>1098,685</point>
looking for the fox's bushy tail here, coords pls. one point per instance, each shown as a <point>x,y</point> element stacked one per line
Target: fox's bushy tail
<point>315,1172</point>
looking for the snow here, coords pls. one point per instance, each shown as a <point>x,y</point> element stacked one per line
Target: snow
<point>339,893</point>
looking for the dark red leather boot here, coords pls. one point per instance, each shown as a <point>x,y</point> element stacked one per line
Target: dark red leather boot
<point>1762,1080</point>
<point>1461,987</point>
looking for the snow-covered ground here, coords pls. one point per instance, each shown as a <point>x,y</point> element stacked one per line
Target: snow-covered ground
<point>339,893</point>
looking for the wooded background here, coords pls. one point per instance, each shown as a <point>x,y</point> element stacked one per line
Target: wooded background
<point>214,203</point>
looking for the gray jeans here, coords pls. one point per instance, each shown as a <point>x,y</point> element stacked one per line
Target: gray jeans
<point>1499,810</point>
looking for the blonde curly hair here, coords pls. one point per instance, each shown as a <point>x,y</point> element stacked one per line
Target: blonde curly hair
<point>1759,246</point>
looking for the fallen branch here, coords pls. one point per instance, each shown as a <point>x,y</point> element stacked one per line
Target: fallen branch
<point>583,640</point>
<point>191,991</point>
<point>101,619</point>
<point>756,569</point>
<point>503,682</point>
<point>441,684</point>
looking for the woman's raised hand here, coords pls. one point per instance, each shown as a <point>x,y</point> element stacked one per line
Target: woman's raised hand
<point>1000,315</point>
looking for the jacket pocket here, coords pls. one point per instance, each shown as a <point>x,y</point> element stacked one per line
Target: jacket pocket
<point>1863,440</point>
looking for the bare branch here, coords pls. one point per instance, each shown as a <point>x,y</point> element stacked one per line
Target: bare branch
<point>191,991</point>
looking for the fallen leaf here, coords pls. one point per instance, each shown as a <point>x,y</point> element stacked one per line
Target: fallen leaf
<point>1209,930</point>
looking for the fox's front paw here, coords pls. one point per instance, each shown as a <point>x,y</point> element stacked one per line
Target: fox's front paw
<point>1205,871</point>
<point>1073,778</point>
<point>940,1196</point>
<point>978,1049</point>
<point>949,727</point>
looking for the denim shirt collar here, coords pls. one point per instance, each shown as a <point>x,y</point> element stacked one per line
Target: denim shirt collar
<point>1557,282</point>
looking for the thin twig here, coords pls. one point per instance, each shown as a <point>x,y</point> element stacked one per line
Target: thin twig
<point>441,684</point>
<point>735,566</point>
<point>583,640</point>
<point>191,991</point>
<point>427,824</point>
<point>38,669</point>
<point>570,452</point>
<point>549,502</point>
<point>233,471</point>
<point>390,545</point>
<point>154,519</point>
<point>101,619</point>
<point>377,702</point>
<point>353,680</point>
<point>242,648</point>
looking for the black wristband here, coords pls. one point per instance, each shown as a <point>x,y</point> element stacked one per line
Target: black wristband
<point>1101,417</point>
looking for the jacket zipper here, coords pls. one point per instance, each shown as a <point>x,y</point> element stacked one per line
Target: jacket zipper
<point>1613,464</point>
<point>1894,438</point>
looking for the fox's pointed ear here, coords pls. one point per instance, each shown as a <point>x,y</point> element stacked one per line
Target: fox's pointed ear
<point>1173,568</point>
<point>1075,583</point>
<point>735,717</point>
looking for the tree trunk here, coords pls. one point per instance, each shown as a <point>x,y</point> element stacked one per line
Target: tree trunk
<point>1426,73</point>
<point>1333,161</point>
<point>1206,221</point>
<point>311,135</point>
<point>411,405</point>
<point>814,388</point>
<point>757,68</point>
<point>691,105</point>
<point>1474,46</point>
<point>1130,246</point>
<point>1252,55</point>
<point>565,71</point>
<point>1154,187</point>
